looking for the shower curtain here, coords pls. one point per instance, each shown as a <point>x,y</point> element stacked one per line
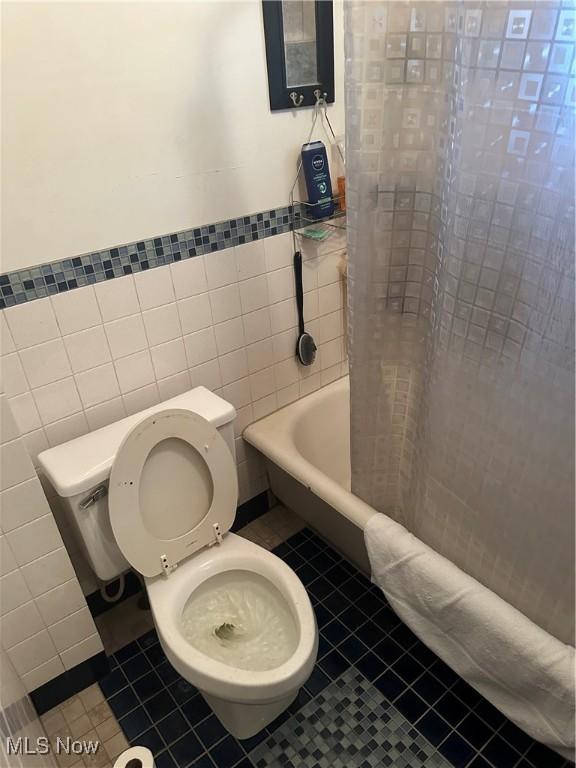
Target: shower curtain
<point>460,203</point>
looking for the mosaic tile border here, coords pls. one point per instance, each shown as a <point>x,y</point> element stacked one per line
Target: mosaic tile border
<point>37,282</point>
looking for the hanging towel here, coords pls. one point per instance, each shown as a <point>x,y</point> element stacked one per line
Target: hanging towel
<point>521,669</point>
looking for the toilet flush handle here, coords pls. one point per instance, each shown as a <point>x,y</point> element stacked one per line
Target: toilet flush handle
<point>96,495</point>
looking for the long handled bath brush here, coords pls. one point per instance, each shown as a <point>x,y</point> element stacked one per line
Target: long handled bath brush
<point>305,346</point>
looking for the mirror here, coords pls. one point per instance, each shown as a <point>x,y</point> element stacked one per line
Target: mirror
<point>299,51</point>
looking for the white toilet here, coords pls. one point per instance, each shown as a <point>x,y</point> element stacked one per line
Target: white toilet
<point>158,490</point>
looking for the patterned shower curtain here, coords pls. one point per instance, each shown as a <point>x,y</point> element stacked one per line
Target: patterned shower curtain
<point>460,199</point>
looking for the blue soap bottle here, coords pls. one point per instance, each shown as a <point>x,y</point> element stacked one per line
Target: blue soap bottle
<point>318,184</point>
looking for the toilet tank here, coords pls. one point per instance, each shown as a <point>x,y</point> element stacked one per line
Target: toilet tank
<point>78,472</point>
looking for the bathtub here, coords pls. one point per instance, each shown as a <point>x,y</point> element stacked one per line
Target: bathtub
<point>306,447</point>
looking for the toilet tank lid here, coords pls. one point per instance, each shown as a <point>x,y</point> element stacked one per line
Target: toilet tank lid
<point>80,464</point>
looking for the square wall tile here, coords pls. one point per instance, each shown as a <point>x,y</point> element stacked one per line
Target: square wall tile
<point>45,363</point>
<point>174,385</point>
<point>254,294</point>
<point>61,601</point>
<point>169,359</point>
<point>233,366</point>
<point>43,674</point>
<point>48,572</point>
<point>221,268</point>
<point>162,324</point>
<point>8,427</point>
<point>257,325</point>
<point>96,385</point>
<point>250,259</point>
<point>117,298</point>
<point>72,630</point>
<point>76,310</point>
<point>189,277</point>
<point>13,592</point>
<point>32,652</point>
<point>154,287</point>
<point>22,504</point>
<point>126,336</point>
<point>279,251</point>
<point>206,375</point>
<point>25,413</point>
<point>134,371</point>
<point>34,539</point>
<point>82,651</point>
<point>58,400</point>
<point>229,335</point>
<point>140,399</point>
<point>105,413</point>
<point>15,464</point>
<point>32,323</point>
<point>66,429</point>
<point>195,313</point>
<point>20,624</point>
<point>200,347</point>
<point>225,303</point>
<point>87,349</point>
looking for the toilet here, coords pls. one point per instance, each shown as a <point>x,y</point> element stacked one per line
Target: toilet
<point>158,491</point>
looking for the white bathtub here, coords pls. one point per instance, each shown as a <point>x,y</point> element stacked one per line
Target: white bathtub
<point>307,450</point>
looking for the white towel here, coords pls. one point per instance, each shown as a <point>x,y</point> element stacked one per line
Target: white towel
<point>521,669</point>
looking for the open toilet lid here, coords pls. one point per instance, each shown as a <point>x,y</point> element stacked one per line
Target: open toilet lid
<point>173,480</point>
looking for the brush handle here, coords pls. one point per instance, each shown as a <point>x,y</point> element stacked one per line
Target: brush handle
<point>299,290</point>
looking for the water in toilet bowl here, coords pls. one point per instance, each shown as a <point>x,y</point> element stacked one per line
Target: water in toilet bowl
<point>241,619</point>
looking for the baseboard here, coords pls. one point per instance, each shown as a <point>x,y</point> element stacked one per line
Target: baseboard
<point>245,513</point>
<point>69,683</point>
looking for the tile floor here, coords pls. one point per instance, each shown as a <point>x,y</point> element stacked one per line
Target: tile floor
<point>377,696</point>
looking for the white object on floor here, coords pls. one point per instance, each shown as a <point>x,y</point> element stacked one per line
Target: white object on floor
<point>522,670</point>
<point>135,757</point>
<point>167,510</point>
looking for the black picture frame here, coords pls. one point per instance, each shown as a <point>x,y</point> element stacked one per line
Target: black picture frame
<point>278,91</point>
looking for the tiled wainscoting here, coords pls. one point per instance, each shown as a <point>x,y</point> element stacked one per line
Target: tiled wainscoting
<point>377,698</point>
<point>78,360</point>
<point>45,625</point>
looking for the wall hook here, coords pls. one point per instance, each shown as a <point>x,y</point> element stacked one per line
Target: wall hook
<point>297,98</point>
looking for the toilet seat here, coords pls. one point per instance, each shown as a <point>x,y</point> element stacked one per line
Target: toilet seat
<point>173,490</point>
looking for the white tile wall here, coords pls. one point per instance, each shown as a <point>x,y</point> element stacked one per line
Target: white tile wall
<point>44,622</point>
<point>80,360</point>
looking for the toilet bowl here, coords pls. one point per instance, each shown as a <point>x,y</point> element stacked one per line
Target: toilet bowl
<point>233,619</point>
<point>245,700</point>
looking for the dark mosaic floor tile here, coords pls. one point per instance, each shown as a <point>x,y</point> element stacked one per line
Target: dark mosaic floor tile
<point>317,681</point>
<point>411,706</point>
<point>167,672</point>
<point>515,737</point>
<point>320,588</point>
<point>324,646</point>
<point>422,654</point>
<point>390,685</point>
<point>337,574</point>
<point>371,666</point>
<point>334,631</point>
<point>479,762</point>
<point>148,685</point>
<point>466,693</point>
<point>294,560</point>
<point>444,673</point>
<point>352,618</point>
<point>433,727</point>
<point>403,636</point>
<point>135,723</point>
<point>451,708</point>
<point>210,731</point>
<point>159,705</point>
<point>136,667</point>
<point>182,690</point>
<point>123,702</point>
<point>456,750</point>
<point>323,616</point>
<point>173,726</point>
<point>196,709</point>
<point>113,682</point>
<point>227,753</point>
<point>388,650</point>
<point>369,633</point>
<point>155,655</point>
<point>148,640</point>
<point>429,687</point>
<point>474,730</point>
<point>407,668</point>
<point>489,714</point>
<point>151,740</point>
<point>127,652</point>
<point>333,664</point>
<point>335,603</point>
<point>353,649</point>
<point>386,619</point>
<point>165,760</point>
<point>307,574</point>
<point>500,754</point>
<point>282,550</point>
<point>203,762</point>
<point>249,744</point>
<point>323,562</point>
<point>308,549</point>
<point>186,750</point>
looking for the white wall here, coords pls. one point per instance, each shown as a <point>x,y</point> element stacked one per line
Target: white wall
<point>125,120</point>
